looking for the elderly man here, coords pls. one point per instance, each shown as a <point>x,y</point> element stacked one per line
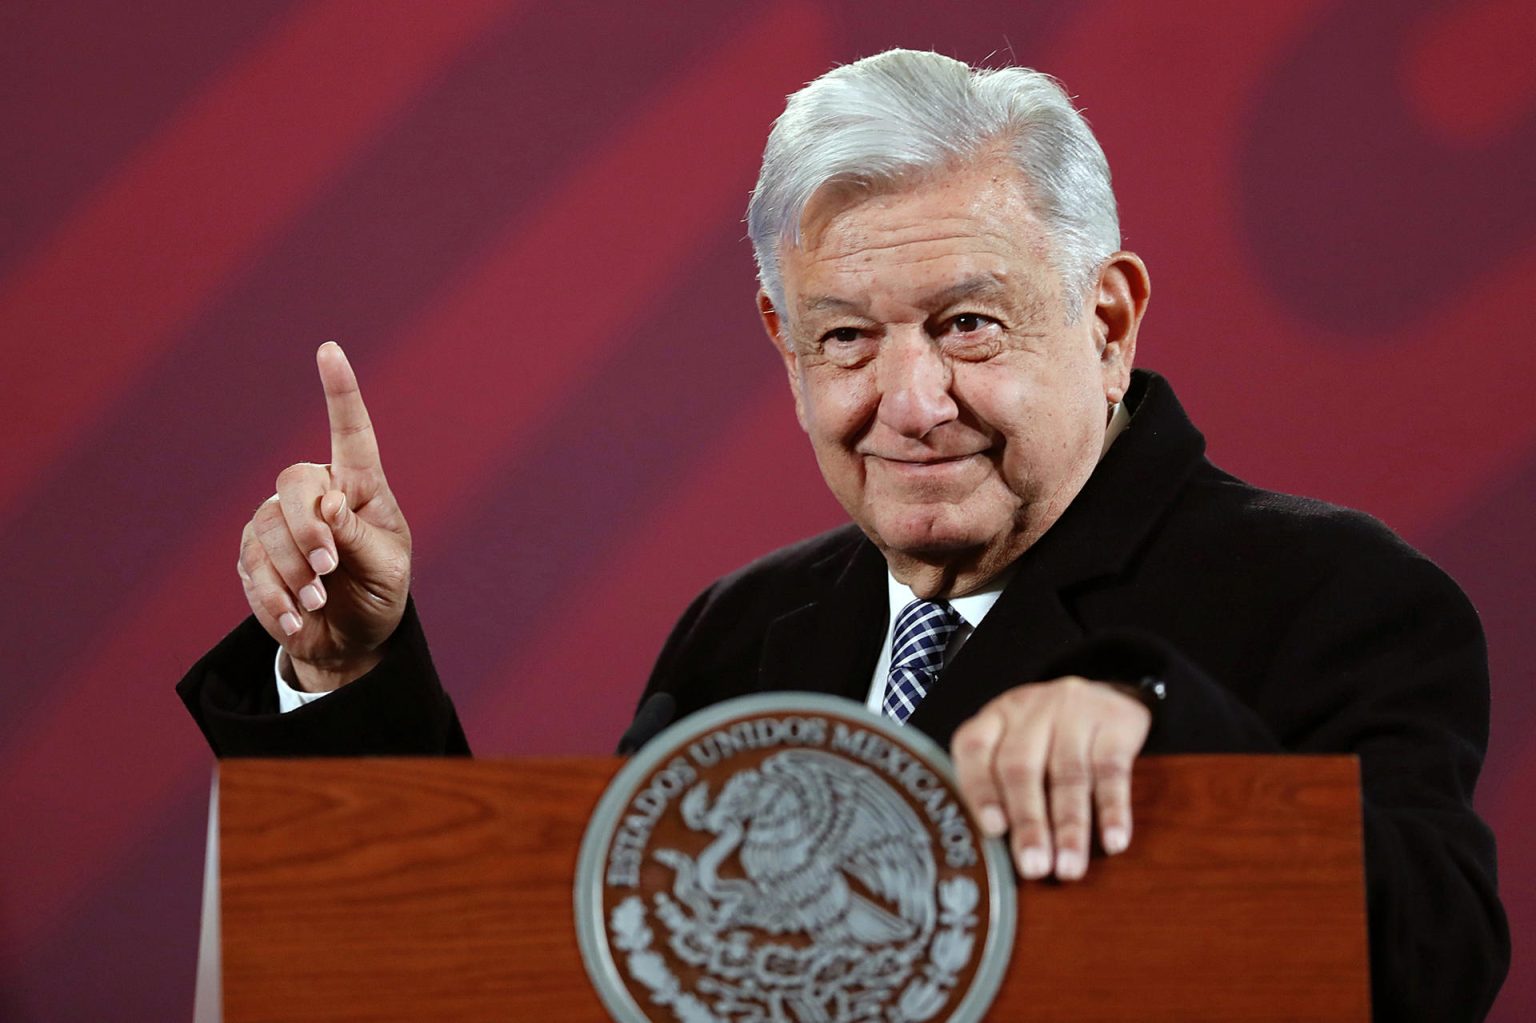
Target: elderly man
<point>1042,571</point>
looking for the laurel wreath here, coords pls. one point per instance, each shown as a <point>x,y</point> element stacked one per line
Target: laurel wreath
<point>631,935</point>
<point>947,956</point>
<point>949,951</point>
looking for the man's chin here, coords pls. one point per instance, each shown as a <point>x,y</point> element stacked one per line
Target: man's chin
<point>929,538</point>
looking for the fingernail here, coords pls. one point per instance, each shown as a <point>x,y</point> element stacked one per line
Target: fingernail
<point>1115,840</point>
<point>1034,862</point>
<point>289,623</point>
<point>321,560</point>
<point>992,821</point>
<point>1069,864</point>
<point>311,597</point>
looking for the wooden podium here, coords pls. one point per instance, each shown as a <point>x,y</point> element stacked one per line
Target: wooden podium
<point>393,889</point>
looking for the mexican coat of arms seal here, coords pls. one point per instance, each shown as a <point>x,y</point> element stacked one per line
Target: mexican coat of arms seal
<point>791,858</point>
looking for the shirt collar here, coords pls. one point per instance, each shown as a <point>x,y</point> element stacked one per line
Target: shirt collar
<point>972,607</point>
<point>1119,419</point>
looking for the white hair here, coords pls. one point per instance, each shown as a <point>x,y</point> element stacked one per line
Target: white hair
<point>904,113</point>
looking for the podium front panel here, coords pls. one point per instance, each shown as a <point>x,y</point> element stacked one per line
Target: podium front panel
<point>409,889</point>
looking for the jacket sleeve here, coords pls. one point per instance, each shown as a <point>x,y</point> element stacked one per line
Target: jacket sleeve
<point>1385,659</point>
<point>1396,666</point>
<point>397,709</point>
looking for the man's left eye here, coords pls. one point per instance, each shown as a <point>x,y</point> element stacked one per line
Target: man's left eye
<point>968,323</point>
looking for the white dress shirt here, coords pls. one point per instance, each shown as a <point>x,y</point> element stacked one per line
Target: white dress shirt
<point>289,698</point>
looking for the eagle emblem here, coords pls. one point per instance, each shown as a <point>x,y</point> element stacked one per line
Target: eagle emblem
<point>824,848</point>
<point>794,885</point>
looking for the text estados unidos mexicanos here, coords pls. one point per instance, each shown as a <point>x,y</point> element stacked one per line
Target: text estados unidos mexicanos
<point>633,834</point>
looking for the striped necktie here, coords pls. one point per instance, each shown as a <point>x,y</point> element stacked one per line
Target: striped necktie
<point>922,632</point>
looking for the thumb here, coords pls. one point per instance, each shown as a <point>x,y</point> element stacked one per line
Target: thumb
<point>351,533</point>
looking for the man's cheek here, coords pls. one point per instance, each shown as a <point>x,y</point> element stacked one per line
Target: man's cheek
<point>833,420</point>
<point>1015,473</point>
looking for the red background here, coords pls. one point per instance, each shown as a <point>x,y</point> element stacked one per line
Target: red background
<point>524,222</point>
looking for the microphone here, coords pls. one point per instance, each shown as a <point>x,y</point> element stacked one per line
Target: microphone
<point>654,715</point>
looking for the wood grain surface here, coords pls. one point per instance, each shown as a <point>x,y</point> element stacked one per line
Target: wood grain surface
<point>391,889</point>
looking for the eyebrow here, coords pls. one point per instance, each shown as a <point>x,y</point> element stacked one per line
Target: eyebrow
<point>822,303</point>
<point>987,285</point>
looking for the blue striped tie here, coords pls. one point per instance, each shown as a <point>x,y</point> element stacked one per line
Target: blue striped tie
<point>917,653</point>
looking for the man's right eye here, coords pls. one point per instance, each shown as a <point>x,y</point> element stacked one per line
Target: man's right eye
<point>848,347</point>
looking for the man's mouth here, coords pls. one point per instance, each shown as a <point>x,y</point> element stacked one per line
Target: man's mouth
<point>925,460</point>
<point>928,467</point>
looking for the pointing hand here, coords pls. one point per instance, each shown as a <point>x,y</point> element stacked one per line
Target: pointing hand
<point>326,561</point>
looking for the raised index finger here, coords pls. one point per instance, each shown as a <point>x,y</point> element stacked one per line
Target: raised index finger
<point>353,444</point>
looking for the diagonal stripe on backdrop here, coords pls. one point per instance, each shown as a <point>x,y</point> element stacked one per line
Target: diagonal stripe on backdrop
<point>142,256</point>
<point>1429,398</point>
<point>75,820</point>
<point>472,159</point>
<point>133,955</point>
<point>715,518</point>
<point>81,90</point>
<point>548,518</point>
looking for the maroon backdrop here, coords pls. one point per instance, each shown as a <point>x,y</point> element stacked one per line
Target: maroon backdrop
<point>524,222</point>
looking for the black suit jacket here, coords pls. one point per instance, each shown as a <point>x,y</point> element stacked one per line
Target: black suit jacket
<point>1278,624</point>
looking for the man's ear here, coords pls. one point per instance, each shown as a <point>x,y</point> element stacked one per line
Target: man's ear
<point>778,333</point>
<point>1122,294</point>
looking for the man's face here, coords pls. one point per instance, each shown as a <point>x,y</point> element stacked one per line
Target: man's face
<point>954,404</point>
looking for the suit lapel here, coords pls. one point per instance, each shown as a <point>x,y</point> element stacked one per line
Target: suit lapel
<point>831,644</point>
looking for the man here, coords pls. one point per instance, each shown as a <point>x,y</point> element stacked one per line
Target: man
<point>1043,571</point>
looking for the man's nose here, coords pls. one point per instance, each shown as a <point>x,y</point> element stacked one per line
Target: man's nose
<point>915,383</point>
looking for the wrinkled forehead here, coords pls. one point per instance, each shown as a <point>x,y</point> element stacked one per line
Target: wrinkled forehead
<point>974,220</point>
